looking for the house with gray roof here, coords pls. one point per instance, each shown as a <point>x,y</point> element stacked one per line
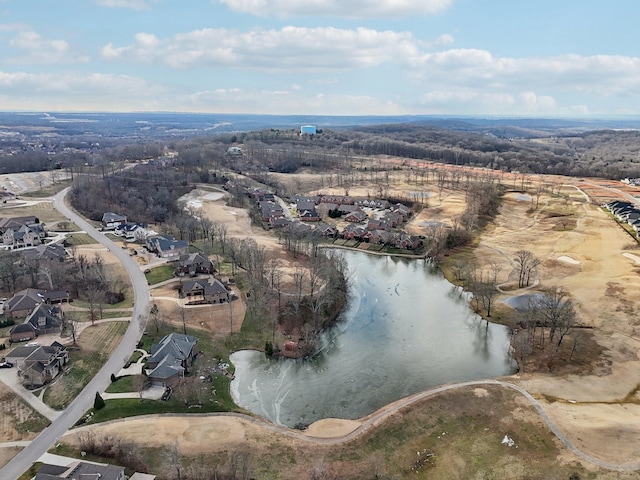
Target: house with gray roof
<point>23,302</point>
<point>193,264</point>
<point>171,358</point>
<point>78,470</point>
<point>112,220</point>
<point>38,365</point>
<point>209,290</point>
<point>42,320</point>
<point>165,246</point>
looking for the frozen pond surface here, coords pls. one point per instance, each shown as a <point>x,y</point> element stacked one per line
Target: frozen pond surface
<point>405,329</point>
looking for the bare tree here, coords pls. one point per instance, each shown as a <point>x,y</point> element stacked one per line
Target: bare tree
<point>526,265</point>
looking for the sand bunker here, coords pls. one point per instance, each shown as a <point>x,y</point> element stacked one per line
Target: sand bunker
<point>564,258</point>
<point>633,257</point>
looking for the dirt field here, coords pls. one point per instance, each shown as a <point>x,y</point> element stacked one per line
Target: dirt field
<point>214,319</point>
<point>582,250</point>
<point>18,420</point>
<point>457,434</point>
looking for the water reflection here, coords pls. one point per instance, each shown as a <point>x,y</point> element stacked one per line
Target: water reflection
<point>405,329</point>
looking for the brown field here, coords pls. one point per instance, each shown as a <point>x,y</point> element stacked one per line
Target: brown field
<point>18,420</point>
<point>582,250</point>
<point>94,346</point>
<point>462,429</point>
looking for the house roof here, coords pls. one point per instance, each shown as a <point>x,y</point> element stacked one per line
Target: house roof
<point>22,352</point>
<point>164,243</point>
<point>23,328</point>
<point>168,367</point>
<point>80,471</point>
<point>175,344</point>
<point>17,222</point>
<point>25,299</point>
<point>47,312</point>
<point>207,287</point>
<point>192,259</point>
<point>110,217</point>
<point>52,251</point>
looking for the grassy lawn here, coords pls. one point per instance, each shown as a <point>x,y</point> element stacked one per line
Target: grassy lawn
<point>122,385</point>
<point>159,274</point>
<point>49,190</point>
<point>80,239</point>
<point>131,407</point>
<point>94,347</point>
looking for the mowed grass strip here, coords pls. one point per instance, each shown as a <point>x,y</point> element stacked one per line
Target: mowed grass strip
<point>85,359</point>
<point>159,274</point>
<point>79,239</point>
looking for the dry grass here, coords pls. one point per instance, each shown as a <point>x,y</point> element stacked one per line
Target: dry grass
<point>18,420</point>
<point>93,348</point>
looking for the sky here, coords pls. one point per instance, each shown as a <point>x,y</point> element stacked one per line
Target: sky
<point>543,58</point>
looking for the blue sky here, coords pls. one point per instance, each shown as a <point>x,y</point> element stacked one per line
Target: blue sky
<point>567,58</point>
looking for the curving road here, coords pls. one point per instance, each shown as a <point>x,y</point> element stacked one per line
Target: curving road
<point>84,401</point>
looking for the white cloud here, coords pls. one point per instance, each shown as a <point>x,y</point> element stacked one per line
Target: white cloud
<point>599,75</point>
<point>290,48</point>
<point>69,91</point>
<point>13,27</point>
<point>131,4</point>
<point>37,49</point>
<point>339,8</point>
<point>287,103</point>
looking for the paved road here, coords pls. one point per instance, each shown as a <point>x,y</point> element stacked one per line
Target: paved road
<point>84,401</point>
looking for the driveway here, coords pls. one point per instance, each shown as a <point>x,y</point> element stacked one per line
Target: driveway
<point>9,376</point>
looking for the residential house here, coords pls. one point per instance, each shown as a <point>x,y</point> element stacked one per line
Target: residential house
<point>25,236</point>
<point>380,237</point>
<point>16,222</point>
<point>402,210</point>
<point>78,470</point>
<point>356,217</point>
<point>304,204</point>
<point>327,231</point>
<point>270,211</point>
<point>372,203</point>
<point>309,216</point>
<point>338,199</point>
<point>353,232</point>
<point>47,252</point>
<point>406,241</point>
<point>38,365</point>
<point>112,220</point>
<point>210,290</point>
<point>131,232</point>
<point>165,246</point>
<point>42,320</point>
<point>23,302</point>
<point>171,358</point>
<point>193,264</point>
<point>280,222</point>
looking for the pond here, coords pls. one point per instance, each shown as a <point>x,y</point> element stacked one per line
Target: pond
<point>405,329</point>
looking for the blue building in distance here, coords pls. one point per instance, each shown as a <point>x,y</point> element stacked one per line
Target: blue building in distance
<point>308,130</point>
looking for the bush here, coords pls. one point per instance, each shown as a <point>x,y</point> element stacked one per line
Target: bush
<point>113,378</point>
<point>7,323</point>
<point>2,346</point>
<point>98,403</point>
<point>268,349</point>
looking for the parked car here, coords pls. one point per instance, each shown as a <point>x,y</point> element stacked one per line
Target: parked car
<point>6,365</point>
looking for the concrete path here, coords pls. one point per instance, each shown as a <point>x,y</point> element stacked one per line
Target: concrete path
<point>9,376</point>
<point>151,393</point>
